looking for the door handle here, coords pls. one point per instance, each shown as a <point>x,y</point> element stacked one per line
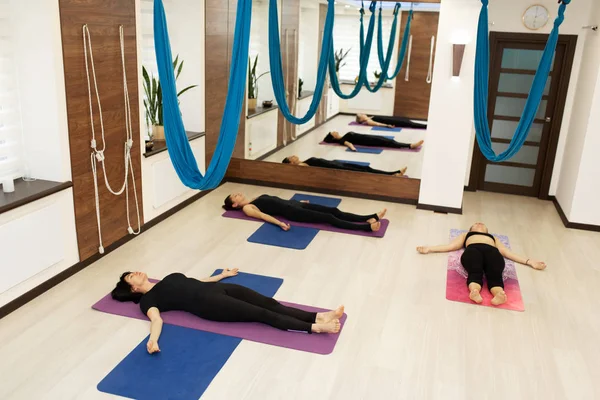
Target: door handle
<point>548,119</point>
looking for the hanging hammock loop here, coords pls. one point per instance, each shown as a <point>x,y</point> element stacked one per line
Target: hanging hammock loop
<point>373,6</point>
<point>397,8</point>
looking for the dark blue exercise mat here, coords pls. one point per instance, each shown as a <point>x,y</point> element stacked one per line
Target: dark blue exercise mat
<point>297,237</point>
<point>366,150</point>
<point>189,358</point>
<point>382,129</point>
<point>323,201</point>
<point>364,164</point>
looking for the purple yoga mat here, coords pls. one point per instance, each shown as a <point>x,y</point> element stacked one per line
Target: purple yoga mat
<point>418,149</point>
<point>354,123</point>
<point>237,214</point>
<point>256,332</point>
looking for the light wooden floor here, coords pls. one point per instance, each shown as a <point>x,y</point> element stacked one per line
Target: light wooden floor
<point>403,339</point>
<point>308,146</point>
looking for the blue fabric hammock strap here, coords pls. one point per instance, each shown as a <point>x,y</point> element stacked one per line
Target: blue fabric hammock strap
<point>482,61</point>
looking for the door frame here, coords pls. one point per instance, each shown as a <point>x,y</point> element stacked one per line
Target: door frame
<point>570,42</point>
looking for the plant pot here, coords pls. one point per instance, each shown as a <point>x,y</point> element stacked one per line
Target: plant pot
<point>267,103</point>
<point>149,145</point>
<point>251,104</point>
<point>158,132</point>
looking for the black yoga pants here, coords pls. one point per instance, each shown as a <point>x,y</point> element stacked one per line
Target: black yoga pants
<point>365,168</point>
<point>226,302</point>
<point>315,213</point>
<point>399,122</point>
<point>379,141</point>
<point>483,259</point>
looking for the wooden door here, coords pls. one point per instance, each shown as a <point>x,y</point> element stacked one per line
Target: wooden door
<point>513,64</point>
<point>413,90</point>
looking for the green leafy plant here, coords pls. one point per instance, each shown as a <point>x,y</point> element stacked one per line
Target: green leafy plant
<point>153,101</point>
<point>339,57</point>
<point>300,84</point>
<point>253,79</point>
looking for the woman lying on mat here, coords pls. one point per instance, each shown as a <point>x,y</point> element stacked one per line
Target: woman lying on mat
<point>484,255</point>
<point>265,206</point>
<point>348,166</point>
<point>389,122</point>
<point>352,138</point>
<point>209,299</point>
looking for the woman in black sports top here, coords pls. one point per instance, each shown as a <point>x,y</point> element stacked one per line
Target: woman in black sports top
<point>484,255</point>
<point>352,138</point>
<point>389,122</point>
<point>346,166</point>
<point>265,207</point>
<point>209,299</point>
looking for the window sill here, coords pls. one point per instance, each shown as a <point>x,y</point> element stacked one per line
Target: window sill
<point>260,110</point>
<point>28,192</point>
<point>161,145</point>
<point>385,85</point>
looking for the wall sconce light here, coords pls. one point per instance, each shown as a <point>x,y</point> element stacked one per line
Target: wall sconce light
<point>458,52</point>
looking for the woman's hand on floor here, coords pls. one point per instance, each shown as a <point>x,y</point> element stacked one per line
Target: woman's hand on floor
<point>285,227</point>
<point>152,347</point>
<point>423,249</point>
<point>540,265</point>
<point>229,272</point>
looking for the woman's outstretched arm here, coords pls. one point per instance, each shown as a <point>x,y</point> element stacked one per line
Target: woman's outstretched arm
<point>530,262</point>
<point>252,211</point>
<point>456,244</point>
<point>370,122</point>
<point>225,274</point>
<point>350,146</point>
<point>156,324</point>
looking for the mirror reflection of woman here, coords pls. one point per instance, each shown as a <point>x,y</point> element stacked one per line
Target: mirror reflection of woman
<point>267,207</point>
<point>389,122</point>
<point>347,166</point>
<point>352,139</point>
<point>484,256</point>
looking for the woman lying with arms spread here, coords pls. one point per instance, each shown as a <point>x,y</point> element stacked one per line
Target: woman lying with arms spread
<point>484,255</point>
<point>209,299</point>
<point>352,138</point>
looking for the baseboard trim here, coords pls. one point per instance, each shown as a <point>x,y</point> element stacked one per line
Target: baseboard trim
<point>357,195</point>
<point>439,209</point>
<point>72,270</point>
<point>572,225</point>
<point>469,189</point>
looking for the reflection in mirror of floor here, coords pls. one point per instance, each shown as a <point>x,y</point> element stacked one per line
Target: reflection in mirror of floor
<point>308,146</point>
<point>402,340</point>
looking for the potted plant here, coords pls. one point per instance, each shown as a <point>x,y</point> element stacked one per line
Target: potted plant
<point>300,84</point>
<point>339,57</point>
<point>253,82</point>
<point>153,101</point>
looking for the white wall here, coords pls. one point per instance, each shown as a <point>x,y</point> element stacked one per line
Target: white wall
<point>37,242</point>
<point>308,48</point>
<point>578,190</point>
<point>378,103</point>
<point>440,186</point>
<point>38,53</point>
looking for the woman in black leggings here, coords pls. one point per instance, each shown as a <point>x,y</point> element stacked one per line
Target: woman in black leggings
<point>343,165</point>
<point>209,299</point>
<point>265,206</point>
<point>352,138</point>
<point>483,256</point>
<point>389,122</point>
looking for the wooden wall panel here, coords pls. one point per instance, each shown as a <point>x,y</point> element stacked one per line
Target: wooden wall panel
<point>103,18</point>
<point>412,97</point>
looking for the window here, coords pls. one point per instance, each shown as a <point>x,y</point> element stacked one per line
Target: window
<point>10,119</point>
<point>148,53</point>
<point>346,35</point>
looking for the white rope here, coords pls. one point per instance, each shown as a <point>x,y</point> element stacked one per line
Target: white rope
<point>98,155</point>
<point>430,70</point>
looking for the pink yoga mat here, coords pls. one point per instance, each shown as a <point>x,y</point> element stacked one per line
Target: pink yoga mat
<point>416,150</point>
<point>456,281</point>
<point>237,214</point>
<point>256,332</point>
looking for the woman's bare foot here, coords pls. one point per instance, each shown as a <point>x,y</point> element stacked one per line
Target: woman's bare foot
<point>402,172</point>
<point>475,293</point>
<point>418,144</point>
<point>382,213</point>
<point>499,296</point>
<point>329,316</point>
<point>375,226</point>
<point>332,326</point>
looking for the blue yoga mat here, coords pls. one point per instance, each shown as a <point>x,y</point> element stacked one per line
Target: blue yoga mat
<point>364,164</point>
<point>297,237</point>
<point>382,129</point>
<point>366,150</point>
<point>189,359</point>
<point>324,201</point>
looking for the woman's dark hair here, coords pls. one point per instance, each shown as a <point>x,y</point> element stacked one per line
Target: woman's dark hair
<point>228,204</point>
<point>122,292</point>
<point>330,139</point>
<point>286,160</point>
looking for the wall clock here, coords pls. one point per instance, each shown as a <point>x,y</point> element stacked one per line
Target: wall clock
<point>536,17</point>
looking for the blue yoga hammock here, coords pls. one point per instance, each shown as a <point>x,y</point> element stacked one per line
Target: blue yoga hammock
<point>178,145</point>
<point>482,61</point>
<point>277,68</point>
<point>365,53</point>
<point>385,61</point>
